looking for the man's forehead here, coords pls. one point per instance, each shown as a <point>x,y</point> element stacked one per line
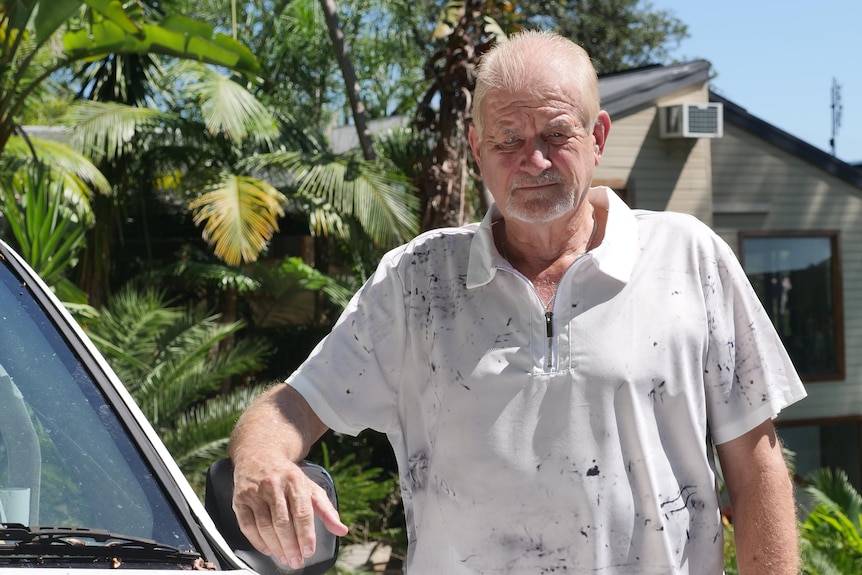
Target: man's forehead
<point>519,118</point>
<point>530,101</point>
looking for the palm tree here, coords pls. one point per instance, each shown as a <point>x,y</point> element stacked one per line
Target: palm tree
<point>32,28</point>
<point>237,169</point>
<point>38,39</point>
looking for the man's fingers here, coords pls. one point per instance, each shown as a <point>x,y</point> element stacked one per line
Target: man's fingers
<point>301,520</point>
<point>277,514</point>
<point>326,511</point>
<point>247,522</point>
<point>265,519</point>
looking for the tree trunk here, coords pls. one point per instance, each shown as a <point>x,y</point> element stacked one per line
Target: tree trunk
<point>445,179</point>
<point>330,12</point>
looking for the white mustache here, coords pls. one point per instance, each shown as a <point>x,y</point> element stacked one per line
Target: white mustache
<point>546,177</point>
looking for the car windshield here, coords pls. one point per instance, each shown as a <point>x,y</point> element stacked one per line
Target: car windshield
<point>66,459</point>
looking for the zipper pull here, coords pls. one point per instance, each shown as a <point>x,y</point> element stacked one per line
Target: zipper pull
<point>549,324</point>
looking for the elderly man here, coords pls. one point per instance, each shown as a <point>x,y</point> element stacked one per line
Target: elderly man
<point>553,380</point>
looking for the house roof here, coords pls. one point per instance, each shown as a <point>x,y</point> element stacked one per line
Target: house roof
<point>627,91</point>
<point>739,117</point>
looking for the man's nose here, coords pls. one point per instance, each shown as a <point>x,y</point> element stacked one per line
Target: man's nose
<point>536,157</point>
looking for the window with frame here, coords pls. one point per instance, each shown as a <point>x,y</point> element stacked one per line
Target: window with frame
<point>797,277</point>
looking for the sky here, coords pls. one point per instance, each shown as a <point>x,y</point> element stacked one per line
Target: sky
<point>779,59</point>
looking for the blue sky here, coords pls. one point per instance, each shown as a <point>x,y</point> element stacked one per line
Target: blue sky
<point>777,59</point>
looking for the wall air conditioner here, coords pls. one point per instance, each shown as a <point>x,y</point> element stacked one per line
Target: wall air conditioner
<point>691,121</point>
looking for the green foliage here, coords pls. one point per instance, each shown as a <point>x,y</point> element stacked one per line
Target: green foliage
<point>45,227</point>
<point>175,35</point>
<point>730,567</point>
<point>93,29</point>
<point>336,189</point>
<point>174,361</point>
<point>366,497</point>
<point>831,533</point>
<point>618,34</point>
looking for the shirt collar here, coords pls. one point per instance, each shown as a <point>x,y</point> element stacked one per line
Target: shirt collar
<point>614,257</point>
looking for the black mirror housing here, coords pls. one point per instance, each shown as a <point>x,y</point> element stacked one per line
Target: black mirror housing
<point>218,503</point>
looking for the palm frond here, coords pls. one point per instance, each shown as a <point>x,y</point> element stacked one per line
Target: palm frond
<point>815,561</point>
<point>228,108</point>
<point>381,201</point>
<point>108,129</point>
<point>204,428</point>
<point>76,171</point>
<point>128,330</point>
<point>287,291</point>
<point>239,214</point>
<point>171,358</point>
<point>833,487</point>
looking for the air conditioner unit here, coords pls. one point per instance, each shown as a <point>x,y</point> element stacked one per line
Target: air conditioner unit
<point>691,121</point>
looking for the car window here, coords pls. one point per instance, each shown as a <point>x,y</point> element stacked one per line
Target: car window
<point>66,459</point>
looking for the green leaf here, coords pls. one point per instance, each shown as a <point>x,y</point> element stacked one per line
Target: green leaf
<point>18,12</point>
<point>181,37</point>
<point>51,15</point>
<point>113,10</point>
<point>101,39</point>
<point>229,108</point>
<point>46,230</point>
<point>108,129</point>
<point>76,170</point>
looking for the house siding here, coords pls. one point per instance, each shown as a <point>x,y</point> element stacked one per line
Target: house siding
<point>661,174</point>
<point>759,187</point>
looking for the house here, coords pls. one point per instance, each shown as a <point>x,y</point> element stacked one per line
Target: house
<point>791,212</point>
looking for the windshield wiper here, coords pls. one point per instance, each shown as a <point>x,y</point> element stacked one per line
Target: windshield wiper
<point>21,541</point>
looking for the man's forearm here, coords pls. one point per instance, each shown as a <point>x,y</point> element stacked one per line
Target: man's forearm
<point>765,532</point>
<point>279,421</point>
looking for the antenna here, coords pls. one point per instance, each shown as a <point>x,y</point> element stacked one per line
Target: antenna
<point>836,112</point>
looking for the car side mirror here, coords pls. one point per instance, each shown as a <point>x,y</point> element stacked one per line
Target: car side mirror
<point>218,503</point>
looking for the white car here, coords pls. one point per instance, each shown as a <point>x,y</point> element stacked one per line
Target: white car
<point>85,482</point>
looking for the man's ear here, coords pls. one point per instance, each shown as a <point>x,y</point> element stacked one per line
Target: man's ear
<point>600,132</point>
<point>473,137</point>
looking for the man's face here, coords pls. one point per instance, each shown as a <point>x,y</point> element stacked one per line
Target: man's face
<point>536,156</point>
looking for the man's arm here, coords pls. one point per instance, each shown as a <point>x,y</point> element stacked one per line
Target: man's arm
<point>275,503</point>
<point>761,496</point>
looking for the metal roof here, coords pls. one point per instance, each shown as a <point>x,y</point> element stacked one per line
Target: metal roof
<point>626,91</point>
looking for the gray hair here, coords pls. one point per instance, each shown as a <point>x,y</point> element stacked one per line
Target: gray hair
<point>508,66</point>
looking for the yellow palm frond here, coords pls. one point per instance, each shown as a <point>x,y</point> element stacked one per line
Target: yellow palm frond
<point>239,215</point>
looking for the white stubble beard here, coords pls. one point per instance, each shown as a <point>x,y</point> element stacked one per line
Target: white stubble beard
<point>532,206</point>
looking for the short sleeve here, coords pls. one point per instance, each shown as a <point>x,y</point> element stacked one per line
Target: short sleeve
<point>350,379</point>
<point>749,376</point>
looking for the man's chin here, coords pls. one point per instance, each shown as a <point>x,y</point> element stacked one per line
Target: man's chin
<point>538,214</point>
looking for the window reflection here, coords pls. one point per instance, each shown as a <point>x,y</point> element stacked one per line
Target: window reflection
<point>794,276</point>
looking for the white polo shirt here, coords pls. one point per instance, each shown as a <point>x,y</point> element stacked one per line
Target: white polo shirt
<point>586,451</point>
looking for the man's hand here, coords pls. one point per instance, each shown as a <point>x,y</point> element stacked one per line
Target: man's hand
<point>274,501</point>
<point>275,507</point>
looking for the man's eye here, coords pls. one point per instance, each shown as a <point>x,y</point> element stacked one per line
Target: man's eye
<point>509,143</point>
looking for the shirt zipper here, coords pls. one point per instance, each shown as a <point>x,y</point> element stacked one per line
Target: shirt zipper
<point>549,326</point>
<point>549,313</point>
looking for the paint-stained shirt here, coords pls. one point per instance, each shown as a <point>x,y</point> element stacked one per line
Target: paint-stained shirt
<point>575,442</point>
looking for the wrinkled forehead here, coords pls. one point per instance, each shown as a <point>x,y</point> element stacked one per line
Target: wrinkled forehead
<point>540,105</point>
